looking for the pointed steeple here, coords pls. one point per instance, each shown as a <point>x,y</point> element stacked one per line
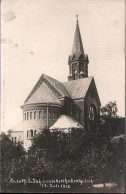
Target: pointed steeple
<point>77,45</point>
<point>78,60</point>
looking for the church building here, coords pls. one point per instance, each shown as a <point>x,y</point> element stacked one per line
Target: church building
<point>50,99</point>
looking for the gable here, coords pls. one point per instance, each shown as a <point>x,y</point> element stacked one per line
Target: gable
<point>43,94</point>
<point>92,91</point>
<point>78,88</point>
<point>55,86</point>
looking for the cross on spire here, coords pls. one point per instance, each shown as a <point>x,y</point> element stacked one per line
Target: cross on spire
<point>77,17</point>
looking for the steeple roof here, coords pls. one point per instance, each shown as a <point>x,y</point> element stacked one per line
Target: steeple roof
<point>77,45</point>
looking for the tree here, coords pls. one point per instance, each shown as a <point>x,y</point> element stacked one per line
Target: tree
<point>10,155</point>
<point>109,110</point>
<point>107,118</point>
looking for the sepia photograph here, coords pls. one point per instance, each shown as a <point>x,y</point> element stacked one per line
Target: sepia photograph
<point>62,96</point>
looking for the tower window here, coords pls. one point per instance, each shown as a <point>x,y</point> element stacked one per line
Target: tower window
<point>75,72</point>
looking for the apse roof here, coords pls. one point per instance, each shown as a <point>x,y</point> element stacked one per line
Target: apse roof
<point>65,122</point>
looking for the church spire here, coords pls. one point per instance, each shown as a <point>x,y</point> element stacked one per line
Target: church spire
<point>78,60</point>
<point>77,45</point>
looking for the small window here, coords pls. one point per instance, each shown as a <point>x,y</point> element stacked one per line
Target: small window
<point>25,116</point>
<point>35,115</point>
<point>12,139</point>
<point>30,115</point>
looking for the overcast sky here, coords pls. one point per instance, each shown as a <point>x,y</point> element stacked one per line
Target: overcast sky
<point>37,37</point>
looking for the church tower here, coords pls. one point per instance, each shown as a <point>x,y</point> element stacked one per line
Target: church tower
<point>78,60</point>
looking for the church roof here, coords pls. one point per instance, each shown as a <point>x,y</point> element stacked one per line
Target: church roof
<point>43,95</point>
<point>49,90</point>
<point>57,85</point>
<point>78,88</point>
<point>65,122</point>
<point>77,45</point>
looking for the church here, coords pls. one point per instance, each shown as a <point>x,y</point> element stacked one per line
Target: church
<point>75,101</point>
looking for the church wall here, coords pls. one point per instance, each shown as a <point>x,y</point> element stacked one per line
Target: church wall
<point>66,109</point>
<point>37,119</point>
<point>78,111</point>
<point>91,98</point>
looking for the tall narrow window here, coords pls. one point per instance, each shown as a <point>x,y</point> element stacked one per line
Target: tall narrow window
<point>54,116</point>
<point>75,72</point>
<point>15,140</point>
<point>27,133</point>
<point>12,139</point>
<point>40,114</point>
<point>57,115</point>
<point>35,133</point>
<point>27,115</point>
<point>30,115</point>
<point>35,115</point>
<point>31,133</point>
<point>49,115</point>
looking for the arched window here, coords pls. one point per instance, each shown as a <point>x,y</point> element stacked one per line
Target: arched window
<point>93,117</point>
<point>35,133</point>
<point>75,72</point>
<point>27,115</point>
<point>30,115</point>
<point>35,115</point>
<point>31,133</point>
<point>40,114</point>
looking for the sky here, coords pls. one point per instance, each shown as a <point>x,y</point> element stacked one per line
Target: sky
<point>37,37</point>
